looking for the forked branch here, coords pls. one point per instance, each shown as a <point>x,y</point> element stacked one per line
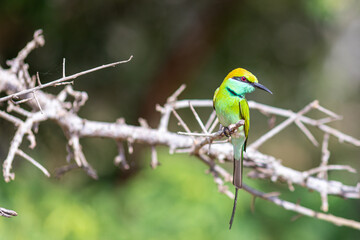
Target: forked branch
<point>210,147</point>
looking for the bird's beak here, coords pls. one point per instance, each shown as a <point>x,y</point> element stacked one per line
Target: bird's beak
<point>262,87</point>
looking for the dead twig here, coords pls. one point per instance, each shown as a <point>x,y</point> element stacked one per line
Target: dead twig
<point>7,213</point>
<point>63,79</point>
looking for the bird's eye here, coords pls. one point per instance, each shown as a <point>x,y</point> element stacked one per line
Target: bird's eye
<point>243,79</point>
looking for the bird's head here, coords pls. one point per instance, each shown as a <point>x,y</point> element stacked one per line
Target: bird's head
<point>242,81</point>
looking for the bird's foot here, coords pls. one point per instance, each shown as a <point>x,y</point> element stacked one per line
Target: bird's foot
<point>226,132</point>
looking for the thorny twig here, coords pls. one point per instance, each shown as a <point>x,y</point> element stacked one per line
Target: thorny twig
<point>299,120</point>
<point>17,84</point>
<point>61,80</point>
<point>323,174</point>
<point>7,213</point>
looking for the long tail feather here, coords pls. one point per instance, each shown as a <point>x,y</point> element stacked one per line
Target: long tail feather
<point>234,209</point>
<point>237,173</point>
<point>238,162</point>
<point>237,178</point>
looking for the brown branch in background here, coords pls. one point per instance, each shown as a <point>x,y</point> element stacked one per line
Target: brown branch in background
<point>59,172</point>
<point>188,52</point>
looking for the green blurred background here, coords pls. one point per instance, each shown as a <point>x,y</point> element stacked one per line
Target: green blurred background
<point>301,50</point>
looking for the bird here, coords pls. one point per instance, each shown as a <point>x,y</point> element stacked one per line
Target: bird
<point>231,106</point>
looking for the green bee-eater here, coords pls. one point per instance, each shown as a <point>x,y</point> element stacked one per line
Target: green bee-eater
<point>231,106</point>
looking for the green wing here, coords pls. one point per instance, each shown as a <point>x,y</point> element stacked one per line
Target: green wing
<point>214,98</point>
<point>245,114</point>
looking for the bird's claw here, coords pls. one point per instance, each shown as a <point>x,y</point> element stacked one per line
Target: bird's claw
<point>226,132</point>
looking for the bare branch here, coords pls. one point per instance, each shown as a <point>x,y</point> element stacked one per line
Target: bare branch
<point>63,72</point>
<point>20,101</point>
<point>23,128</point>
<point>37,102</point>
<point>130,141</point>
<point>120,159</point>
<point>325,156</point>
<point>210,120</point>
<point>63,79</point>
<point>232,129</point>
<point>181,122</point>
<point>7,213</point>
<point>167,109</point>
<point>323,174</point>
<point>176,94</point>
<point>154,159</point>
<point>197,118</point>
<point>11,107</point>
<point>17,62</point>
<point>16,121</point>
<point>38,79</point>
<point>281,126</point>
<point>59,172</point>
<point>64,83</point>
<point>31,138</point>
<point>287,113</point>
<point>33,161</point>
<point>324,201</point>
<point>143,123</point>
<point>18,84</point>
<point>288,205</point>
<point>266,109</point>
<point>213,126</point>
<point>326,168</point>
<point>328,112</point>
<point>307,132</point>
<point>196,134</point>
<point>303,210</point>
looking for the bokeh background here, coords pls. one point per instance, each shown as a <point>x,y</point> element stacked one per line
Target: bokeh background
<point>301,50</point>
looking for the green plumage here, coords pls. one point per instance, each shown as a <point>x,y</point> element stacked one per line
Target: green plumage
<point>230,109</point>
<point>231,106</point>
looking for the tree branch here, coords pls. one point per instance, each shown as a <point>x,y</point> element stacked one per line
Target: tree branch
<point>208,146</point>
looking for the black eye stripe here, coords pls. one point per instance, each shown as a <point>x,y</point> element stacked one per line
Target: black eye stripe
<point>241,79</point>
